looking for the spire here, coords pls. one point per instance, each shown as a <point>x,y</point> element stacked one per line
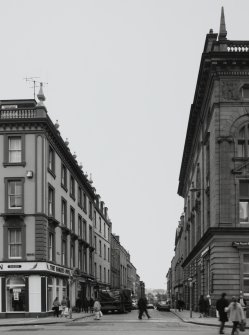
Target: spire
<point>41,96</point>
<point>223,32</point>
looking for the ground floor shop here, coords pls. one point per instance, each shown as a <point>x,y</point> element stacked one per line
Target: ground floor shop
<point>29,288</point>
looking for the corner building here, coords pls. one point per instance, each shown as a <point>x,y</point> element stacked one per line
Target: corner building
<point>46,220</point>
<point>214,176</point>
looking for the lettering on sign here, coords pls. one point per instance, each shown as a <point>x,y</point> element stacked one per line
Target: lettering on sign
<point>14,266</point>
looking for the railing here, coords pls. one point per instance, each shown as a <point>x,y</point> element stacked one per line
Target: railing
<point>238,46</point>
<point>17,113</point>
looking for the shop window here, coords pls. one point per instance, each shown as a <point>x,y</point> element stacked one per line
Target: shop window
<point>50,293</point>
<point>244,201</point>
<point>246,274</point>
<point>15,294</point>
<point>14,243</point>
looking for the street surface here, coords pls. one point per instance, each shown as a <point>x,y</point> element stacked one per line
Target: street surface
<point>160,323</point>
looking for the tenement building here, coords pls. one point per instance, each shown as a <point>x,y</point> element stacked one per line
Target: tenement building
<point>212,239</point>
<point>49,215</point>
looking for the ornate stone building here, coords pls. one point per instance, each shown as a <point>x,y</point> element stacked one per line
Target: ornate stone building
<point>212,245</point>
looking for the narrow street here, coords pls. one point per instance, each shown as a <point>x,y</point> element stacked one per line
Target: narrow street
<point>160,323</point>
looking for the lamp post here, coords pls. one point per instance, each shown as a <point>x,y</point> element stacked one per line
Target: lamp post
<point>190,280</point>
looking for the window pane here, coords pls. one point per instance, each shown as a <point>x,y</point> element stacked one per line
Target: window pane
<point>15,149</point>
<point>243,211</point>
<point>246,93</point>
<point>244,188</point>
<point>241,149</point>
<point>246,258</point>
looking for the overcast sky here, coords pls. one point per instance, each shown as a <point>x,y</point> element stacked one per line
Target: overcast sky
<point>121,79</point>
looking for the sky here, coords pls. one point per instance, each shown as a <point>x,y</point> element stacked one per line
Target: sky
<point>121,78</point>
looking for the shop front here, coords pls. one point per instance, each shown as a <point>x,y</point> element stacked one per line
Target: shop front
<point>29,289</point>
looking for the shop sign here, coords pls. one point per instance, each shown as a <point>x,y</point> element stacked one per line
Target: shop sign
<point>58,269</point>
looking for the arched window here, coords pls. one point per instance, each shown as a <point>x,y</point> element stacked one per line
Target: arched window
<point>243,141</point>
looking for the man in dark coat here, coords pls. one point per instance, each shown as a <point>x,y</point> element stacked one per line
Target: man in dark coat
<point>221,304</point>
<point>142,306</point>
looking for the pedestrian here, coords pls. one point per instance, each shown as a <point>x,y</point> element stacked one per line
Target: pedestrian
<point>64,306</point>
<point>56,307</point>
<point>221,304</point>
<point>91,303</point>
<point>236,314</point>
<point>78,304</point>
<point>207,305</point>
<point>97,309</point>
<point>242,301</point>
<point>142,307</point>
<point>201,306</point>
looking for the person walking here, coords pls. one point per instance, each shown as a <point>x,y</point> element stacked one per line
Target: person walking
<point>242,301</point>
<point>142,306</point>
<point>56,307</point>
<point>221,304</point>
<point>236,314</point>
<point>64,310</point>
<point>91,303</point>
<point>97,309</point>
<point>207,305</point>
<point>202,305</point>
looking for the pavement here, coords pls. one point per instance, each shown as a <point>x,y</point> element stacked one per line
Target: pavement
<point>183,315</point>
<point>44,320</point>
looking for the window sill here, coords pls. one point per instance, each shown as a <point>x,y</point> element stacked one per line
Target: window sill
<point>52,173</point>
<point>15,164</point>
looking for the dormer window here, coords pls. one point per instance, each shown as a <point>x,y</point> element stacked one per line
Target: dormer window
<point>242,142</point>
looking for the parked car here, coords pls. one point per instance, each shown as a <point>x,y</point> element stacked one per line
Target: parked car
<point>150,306</point>
<point>163,306</point>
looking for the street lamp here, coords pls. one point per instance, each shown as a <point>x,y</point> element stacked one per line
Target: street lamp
<point>190,280</point>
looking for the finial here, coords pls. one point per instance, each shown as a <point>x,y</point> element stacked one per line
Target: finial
<point>57,124</point>
<point>41,96</point>
<point>74,155</point>
<point>66,142</point>
<point>223,32</point>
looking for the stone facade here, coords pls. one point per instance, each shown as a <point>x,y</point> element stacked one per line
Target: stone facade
<point>211,246</point>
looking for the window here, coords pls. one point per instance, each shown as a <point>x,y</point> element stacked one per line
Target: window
<point>90,210</point>
<point>50,201</point>
<point>80,258</point>
<point>84,260</point>
<point>242,142</point>
<point>72,219</point>
<point>95,270</point>
<point>50,246</point>
<point>100,228</point>
<point>72,187</point>
<point>244,201</point>
<point>104,251</point>
<point>64,176</point>
<point>15,194</point>
<point>14,150</point>
<point>100,249</point>
<point>14,243</point>
<point>84,203</point>
<point>108,254</point>
<point>104,275</point>
<point>91,263</point>
<point>84,230</point>
<point>100,273</point>
<point>64,252</point>
<point>72,255</point>
<point>95,219</point>
<point>90,236</point>
<point>95,244</point>
<point>104,229</point>
<point>80,197</point>
<point>51,160</point>
<point>108,237</point>
<point>80,230</point>
<point>245,91</point>
<point>63,212</point>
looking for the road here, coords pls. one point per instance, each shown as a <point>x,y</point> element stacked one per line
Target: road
<point>160,323</point>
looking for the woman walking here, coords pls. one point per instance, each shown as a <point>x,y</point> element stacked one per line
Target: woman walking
<point>236,314</point>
